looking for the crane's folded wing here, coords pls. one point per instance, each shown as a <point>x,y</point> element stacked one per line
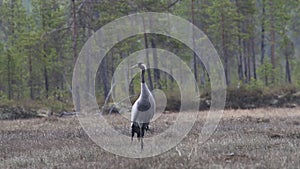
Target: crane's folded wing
<point>143,105</point>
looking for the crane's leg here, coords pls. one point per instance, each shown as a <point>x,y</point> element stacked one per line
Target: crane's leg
<point>142,135</point>
<point>139,131</point>
<point>142,144</point>
<point>143,128</point>
<point>132,133</point>
<point>138,136</point>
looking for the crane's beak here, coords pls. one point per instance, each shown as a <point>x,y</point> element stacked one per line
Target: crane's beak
<point>134,66</point>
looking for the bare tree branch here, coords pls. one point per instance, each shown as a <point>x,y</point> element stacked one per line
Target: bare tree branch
<point>81,6</point>
<point>173,3</point>
<point>54,31</point>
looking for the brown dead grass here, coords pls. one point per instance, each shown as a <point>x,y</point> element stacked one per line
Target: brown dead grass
<point>262,138</point>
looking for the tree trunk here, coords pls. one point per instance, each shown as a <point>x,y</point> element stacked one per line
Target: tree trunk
<point>263,31</point>
<point>287,69</point>
<point>240,61</point>
<point>9,76</point>
<point>147,57</point>
<point>273,43</point>
<point>225,54</point>
<point>249,60</point>
<point>156,71</point>
<point>104,77</point>
<point>289,50</point>
<point>148,62</point>
<point>75,34</point>
<point>240,55</point>
<point>246,73</point>
<point>9,56</point>
<point>204,72</point>
<point>46,81</point>
<point>253,58</point>
<point>262,48</point>
<point>88,74</point>
<point>129,74</point>
<point>30,76</point>
<point>194,54</point>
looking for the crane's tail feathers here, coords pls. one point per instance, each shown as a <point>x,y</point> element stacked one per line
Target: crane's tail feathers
<point>139,129</point>
<point>147,127</point>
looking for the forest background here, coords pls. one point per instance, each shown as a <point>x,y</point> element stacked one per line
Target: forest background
<point>258,42</point>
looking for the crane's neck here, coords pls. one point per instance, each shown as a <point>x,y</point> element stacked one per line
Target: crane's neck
<point>143,76</point>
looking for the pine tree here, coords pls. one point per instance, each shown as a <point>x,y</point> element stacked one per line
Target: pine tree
<point>223,31</point>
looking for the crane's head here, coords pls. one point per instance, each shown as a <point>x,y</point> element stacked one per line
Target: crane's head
<point>140,65</point>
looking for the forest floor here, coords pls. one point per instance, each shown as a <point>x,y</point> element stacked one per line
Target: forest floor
<point>257,138</point>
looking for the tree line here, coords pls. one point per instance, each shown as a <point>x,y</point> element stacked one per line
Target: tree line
<point>40,41</point>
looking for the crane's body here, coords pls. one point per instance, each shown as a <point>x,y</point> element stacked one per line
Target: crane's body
<point>143,109</point>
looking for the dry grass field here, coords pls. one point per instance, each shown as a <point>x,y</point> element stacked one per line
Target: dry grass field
<point>261,138</point>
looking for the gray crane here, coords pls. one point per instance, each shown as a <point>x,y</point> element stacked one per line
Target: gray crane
<point>143,109</point>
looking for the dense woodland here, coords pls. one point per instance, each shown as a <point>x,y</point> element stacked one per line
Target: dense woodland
<point>257,40</point>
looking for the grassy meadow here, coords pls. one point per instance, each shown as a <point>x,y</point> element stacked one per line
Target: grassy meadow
<point>257,138</point>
